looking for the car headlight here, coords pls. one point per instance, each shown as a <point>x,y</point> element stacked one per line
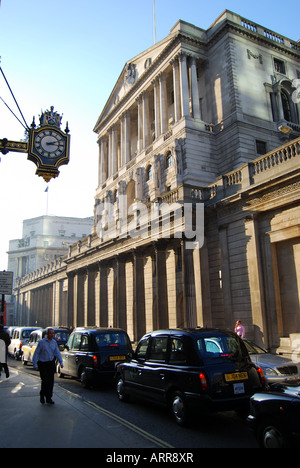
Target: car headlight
<point>269,371</point>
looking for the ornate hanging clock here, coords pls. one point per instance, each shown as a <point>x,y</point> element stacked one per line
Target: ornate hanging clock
<point>49,146</point>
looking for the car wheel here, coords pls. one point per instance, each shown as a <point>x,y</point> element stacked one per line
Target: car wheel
<point>23,361</point>
<point>84,378</point>
<point>60,374</point>
<point>270,435</point>
<point>179,408</point>
<point>121,390</point>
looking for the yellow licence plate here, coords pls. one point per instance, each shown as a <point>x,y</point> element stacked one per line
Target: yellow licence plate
<point>236,376</point>
<point>117,358</point>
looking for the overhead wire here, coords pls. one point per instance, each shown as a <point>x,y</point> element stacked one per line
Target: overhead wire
<point>25,126</point>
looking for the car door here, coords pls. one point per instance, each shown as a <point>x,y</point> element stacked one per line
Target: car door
<point>14,342</point>
<point>29,349</point>
<point>73,355</point>
<point>153,374</point>
<point>133,370</point>
<point>37,338</point>
<point>68,354</point>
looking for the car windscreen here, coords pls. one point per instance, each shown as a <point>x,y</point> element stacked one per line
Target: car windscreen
<point>61,336</point>
<point>252,348</point>
<point>26,334</point>
<point>220,347</point>
<point>111,339</point>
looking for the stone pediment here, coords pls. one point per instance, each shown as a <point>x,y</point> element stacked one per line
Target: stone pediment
<point>132,71</point>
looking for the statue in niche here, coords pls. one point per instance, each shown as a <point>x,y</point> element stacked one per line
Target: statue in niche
<point>97,211</point>
<point>178,156</point>
<point>139,184</point>
<point>122,197</point>
<point>130,73</point>
<point>157,172</point>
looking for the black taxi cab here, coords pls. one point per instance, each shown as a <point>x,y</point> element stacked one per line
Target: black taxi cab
<point>91,354</point>
<point>191,369</point>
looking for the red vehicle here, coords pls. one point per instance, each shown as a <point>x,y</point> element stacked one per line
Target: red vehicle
<point>2,313</point>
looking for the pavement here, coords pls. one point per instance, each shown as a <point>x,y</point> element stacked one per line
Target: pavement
<point>71,423</point>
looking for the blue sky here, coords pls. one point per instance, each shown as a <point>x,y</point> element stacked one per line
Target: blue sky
<point>69,53</point>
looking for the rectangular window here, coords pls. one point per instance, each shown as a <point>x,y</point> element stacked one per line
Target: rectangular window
<point>85,343</point>
<point>261,147</point>
<point>177,354</point>
<point>158,350</point>
<point>279,66</point>
<point>141,351</point>
<point>76,342</point>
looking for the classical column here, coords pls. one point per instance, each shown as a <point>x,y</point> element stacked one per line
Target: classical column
<point>202,286</point>
<point>127,143</point>
<point>138,295</point>
<point>149,269</point>
<point>189,294</point>
<point>91,296</point>
<point>101,174</point>
<point>176,87</point>
<point>122,140</point>
<point>161,313</point>
<point>195,90</point>
<point>171,286</point>
<point>146,123</point>
<point>163,104</point>
<point>120,309</point>
<point>255,280</point>
<point>272,292</point>
<point>140,125</point>
<point>44,306</point>
<point>79,299</point>
<point>184,86</point>
<point>225,278</point>
<point>103,300</point>
<point>56,310</point>
<point>103,160</point>
<point>106,156</point>
<point>156,108</point>
<point>279,104</point>
<point>114,149</point>
<point>64,304</point>
<point>109,153</point>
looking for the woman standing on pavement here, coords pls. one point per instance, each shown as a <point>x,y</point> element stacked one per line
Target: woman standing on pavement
<point>5,342</point>
<point>240,329</point>
<point>44,359</point>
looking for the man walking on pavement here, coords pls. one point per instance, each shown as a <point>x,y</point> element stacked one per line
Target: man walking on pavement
<point>44,359</point>
<point>4,344</point>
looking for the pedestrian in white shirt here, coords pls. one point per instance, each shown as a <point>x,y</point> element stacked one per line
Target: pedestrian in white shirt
<point>44,359</point>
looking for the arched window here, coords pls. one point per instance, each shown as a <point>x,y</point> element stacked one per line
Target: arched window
<point>286,106</point>
<point>168,160</point>
<point>149,173</point>
<point>282,103</point>
<point>130,192</point>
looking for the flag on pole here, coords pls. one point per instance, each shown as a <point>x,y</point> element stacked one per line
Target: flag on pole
<point>47,202</point>
<point>154,22</point>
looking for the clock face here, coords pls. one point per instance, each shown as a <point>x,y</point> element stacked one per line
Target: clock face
<point>50,143</point>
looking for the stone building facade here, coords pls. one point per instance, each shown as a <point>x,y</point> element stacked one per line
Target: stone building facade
<point>196,217</point>
<point>44,239</point>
